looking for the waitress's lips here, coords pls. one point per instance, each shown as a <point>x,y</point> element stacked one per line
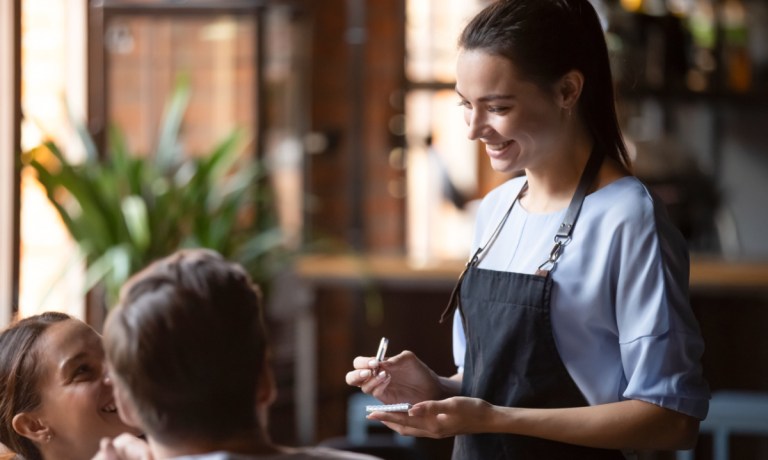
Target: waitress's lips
<point>496,149</point>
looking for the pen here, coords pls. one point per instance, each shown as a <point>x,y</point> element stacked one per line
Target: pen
<point>382,351</point>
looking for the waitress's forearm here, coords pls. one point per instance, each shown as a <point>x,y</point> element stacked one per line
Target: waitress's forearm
<point>622,425</point>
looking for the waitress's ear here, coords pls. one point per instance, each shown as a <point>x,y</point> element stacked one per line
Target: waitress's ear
<point>568,89</point>
<point>30,427</point>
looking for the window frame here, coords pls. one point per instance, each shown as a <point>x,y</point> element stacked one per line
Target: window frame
<point>10,135</point>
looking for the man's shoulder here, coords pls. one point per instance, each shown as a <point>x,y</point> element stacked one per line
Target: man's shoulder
<point>325,453</point>
<point>308,453</point>
<point>321,453</point>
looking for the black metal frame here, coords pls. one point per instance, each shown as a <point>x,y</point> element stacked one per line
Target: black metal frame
<point>16,142</point>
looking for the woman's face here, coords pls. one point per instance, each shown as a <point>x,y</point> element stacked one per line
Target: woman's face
<point>77,404</point>
<point>519,123</point>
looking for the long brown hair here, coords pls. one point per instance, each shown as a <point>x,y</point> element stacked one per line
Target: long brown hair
<point>20,375</point>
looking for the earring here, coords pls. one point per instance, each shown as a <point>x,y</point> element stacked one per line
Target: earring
<point>48,438</point>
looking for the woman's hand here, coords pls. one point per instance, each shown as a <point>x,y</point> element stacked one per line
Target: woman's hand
<point>439,419</point>
<point>399,379</point>
<point>124,447</point>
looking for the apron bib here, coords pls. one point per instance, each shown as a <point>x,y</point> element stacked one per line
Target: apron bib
<point>512,361</point>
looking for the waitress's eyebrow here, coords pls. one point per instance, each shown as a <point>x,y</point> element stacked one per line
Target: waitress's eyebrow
<point>489,97</point>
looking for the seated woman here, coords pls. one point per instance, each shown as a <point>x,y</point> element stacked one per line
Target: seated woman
<point>55,397</point>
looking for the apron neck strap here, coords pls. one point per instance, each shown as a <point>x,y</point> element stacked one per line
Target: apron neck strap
<point>587,179</point>
<point>563,235</point>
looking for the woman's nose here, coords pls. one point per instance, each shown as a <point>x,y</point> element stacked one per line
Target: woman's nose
<point>475,125</point>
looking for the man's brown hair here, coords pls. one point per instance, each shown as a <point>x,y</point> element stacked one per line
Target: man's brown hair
<point>187,341</point>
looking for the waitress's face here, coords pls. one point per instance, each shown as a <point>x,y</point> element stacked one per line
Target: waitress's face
<point>77,404</point>
<point>517,120</point>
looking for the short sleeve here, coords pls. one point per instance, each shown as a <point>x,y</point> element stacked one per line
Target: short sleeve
<point>660,342</point>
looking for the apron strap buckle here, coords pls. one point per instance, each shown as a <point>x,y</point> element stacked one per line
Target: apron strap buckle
<point>554,254</point>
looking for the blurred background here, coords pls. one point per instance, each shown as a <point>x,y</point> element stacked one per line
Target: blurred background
<point>348,108</point>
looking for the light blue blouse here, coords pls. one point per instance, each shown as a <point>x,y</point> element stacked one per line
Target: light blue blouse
<point>621,316</point>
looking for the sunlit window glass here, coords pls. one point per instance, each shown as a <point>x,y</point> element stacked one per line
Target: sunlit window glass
<point>53,81</point>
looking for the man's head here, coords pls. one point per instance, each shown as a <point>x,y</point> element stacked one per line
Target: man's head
<point>187,349</point>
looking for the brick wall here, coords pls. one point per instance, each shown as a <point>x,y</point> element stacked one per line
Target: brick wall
<point>361,127</point>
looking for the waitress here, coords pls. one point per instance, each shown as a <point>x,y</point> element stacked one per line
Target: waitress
<point>573,333</point>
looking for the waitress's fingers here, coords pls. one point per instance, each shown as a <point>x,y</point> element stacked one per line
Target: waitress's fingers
<point>407,425</point>
<point>365,368</point>
<point>376,385</point>
<point>366,379</point>
<point>356,378</point>
<point>364,362</point>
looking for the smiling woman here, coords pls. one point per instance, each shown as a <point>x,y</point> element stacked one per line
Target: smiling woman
<point>55,399</point>
<point>573,335</point>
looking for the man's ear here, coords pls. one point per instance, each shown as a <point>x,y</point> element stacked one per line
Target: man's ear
<point>266,391</point>
<point>569,89</point>
<point>30,427</point>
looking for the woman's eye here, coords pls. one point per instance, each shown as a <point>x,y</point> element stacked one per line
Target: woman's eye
<point>83,370</point>
<point>464,103</point>
<point>497,109</point>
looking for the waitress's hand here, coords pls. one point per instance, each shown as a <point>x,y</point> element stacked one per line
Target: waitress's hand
<point>398,379</point>
<point>441,419</point>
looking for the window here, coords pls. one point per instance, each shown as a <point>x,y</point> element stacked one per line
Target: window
<point>8,147</point>
<point>53,83</point>
<point>446,174</point>
<point>246,65</point>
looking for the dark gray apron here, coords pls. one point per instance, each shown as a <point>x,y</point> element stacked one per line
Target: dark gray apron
<point>511,358</point>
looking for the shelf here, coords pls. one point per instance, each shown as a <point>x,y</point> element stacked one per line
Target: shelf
<point>756,99</point>
<point>707,273</point>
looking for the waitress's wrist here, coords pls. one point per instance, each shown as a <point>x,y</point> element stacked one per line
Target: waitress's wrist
<point>449,386</point>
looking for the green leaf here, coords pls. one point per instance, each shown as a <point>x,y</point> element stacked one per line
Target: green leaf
<point>167,146</point>
<point>136,220</point>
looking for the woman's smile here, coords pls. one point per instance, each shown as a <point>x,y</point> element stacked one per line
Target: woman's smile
<point>497,150</point>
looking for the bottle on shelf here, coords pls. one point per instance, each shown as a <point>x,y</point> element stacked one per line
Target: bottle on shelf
<point>702,26</point>
<point>737,65</point>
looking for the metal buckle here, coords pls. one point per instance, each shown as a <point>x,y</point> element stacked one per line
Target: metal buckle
<point>554,254</point>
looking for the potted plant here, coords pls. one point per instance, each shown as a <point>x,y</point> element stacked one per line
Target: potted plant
<point>125,210</point>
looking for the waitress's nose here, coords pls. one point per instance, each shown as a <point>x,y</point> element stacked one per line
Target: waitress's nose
<point>476,124</point>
